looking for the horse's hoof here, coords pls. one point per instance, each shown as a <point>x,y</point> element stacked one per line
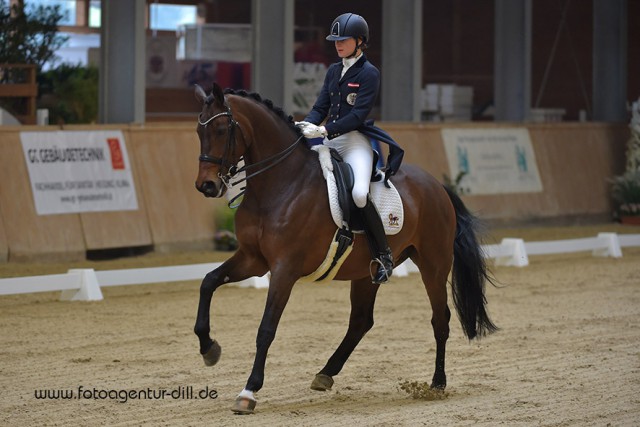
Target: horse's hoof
<point>438,386</point>
<point>322,382</point>
<point>243,406</point>
<point>212,356</point>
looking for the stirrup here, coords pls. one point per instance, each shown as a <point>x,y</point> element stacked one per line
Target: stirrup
<point>382,272</point>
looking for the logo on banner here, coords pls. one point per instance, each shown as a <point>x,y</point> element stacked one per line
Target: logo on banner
<point>117,159</point>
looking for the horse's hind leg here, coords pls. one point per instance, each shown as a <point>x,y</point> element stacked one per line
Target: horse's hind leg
<point>434,277</point>
<point>363,298</point>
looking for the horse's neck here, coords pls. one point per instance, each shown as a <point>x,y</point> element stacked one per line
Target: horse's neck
<point>288,172</point>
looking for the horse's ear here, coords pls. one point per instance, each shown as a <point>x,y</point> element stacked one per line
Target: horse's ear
<point>218,95</point>
<point>201,95</point>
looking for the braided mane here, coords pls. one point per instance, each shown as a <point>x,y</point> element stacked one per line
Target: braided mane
<point>267,103</point>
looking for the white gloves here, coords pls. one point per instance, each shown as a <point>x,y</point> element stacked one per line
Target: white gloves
<point>310,130</point>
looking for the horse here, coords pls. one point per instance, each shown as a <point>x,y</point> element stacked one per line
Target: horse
<point>285,207</point>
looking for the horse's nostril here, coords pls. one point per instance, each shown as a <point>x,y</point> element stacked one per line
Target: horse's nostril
<point>208,188</point>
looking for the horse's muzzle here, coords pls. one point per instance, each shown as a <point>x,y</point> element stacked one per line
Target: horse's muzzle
<point>210,189</point>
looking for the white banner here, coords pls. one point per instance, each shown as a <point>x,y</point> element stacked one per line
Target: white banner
<point>79,171</point>
<point>493,160</point>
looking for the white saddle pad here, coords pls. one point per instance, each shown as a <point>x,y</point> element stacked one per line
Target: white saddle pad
<point>387,200</point>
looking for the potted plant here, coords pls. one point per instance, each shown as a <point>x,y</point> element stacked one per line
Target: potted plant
<point>455,185</point>
<point>625,188</point>
<point>224,238</point>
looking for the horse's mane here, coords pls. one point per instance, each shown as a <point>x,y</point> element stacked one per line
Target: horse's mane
<point>279,112</point>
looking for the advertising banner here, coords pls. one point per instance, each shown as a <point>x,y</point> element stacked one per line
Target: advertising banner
<point>492,161</point>
<point>79,171</point>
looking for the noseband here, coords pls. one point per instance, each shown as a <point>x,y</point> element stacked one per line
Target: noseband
<point>230,149</point>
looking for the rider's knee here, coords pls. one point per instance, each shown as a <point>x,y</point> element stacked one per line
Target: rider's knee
<point>359,198</point>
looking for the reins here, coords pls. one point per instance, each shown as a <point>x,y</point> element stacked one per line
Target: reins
<point>232,168</point>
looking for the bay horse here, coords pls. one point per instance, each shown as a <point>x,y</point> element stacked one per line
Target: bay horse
<point>285,208</point>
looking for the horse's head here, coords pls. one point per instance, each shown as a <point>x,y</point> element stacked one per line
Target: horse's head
<point>217,133</point>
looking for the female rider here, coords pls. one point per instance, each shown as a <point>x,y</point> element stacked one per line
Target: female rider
<point>345,100</point>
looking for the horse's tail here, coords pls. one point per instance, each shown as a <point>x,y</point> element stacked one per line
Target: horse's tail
<point>469,274</point>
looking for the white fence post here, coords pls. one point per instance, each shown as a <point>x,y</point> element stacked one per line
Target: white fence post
<point>89,287</point>
<point>612,247</point>
<point>517,254</point>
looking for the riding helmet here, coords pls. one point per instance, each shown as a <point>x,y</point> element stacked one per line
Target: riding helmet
<point>349,25</point>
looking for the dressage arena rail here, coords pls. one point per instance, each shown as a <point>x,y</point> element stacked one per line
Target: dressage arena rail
<point>86,284</point>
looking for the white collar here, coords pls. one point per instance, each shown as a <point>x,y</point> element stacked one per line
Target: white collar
<point>348,62</point>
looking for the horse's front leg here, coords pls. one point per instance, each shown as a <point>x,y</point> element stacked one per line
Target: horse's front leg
<point>235,269</point>
<point>279,291</point>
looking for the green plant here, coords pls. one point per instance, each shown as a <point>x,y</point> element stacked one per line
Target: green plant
<point>224,238</point>
<point>29,35</point>
<point>625,190</point>
<point>455,185</point>
<point>70,92</point>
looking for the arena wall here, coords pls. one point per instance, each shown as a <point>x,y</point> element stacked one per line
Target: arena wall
<point>574,161</point>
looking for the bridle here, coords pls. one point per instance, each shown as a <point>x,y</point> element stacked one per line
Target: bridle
<point>230,151</point>
<point>231,140</point>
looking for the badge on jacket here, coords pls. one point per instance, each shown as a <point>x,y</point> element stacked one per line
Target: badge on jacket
<point>351,98</point>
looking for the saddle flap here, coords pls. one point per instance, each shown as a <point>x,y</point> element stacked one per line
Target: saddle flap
<point>344,183</point>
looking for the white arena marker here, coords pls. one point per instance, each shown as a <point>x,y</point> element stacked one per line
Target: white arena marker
<point>89,288</point>
<point>411,266</point>
<point>611,246</point>
<point>401,270</point>
<point>253,282</point>
<point>516,254</point>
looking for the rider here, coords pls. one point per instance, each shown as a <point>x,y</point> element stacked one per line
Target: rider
<point>347,96</point>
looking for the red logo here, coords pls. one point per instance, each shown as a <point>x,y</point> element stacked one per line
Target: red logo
<point>117,160</point>
<point>353,84</point>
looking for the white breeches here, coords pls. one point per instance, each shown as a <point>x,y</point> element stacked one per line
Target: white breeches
<point>356,150</point>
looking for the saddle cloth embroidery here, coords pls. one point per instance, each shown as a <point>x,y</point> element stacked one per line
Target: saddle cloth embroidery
<point>387,200</point>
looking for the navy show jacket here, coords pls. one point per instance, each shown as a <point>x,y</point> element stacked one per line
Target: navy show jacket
<point>347,101</point>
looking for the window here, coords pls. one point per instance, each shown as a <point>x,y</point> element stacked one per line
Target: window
<point>94,13</point>
<point>171,16</point>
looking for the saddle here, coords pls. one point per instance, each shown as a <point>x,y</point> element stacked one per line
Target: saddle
<point>346,215</point>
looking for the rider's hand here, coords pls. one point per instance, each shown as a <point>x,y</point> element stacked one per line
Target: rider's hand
<point>312,131</point>
<point>302,125</point>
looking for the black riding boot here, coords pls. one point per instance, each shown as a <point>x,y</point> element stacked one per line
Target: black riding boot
<point>380,252</point>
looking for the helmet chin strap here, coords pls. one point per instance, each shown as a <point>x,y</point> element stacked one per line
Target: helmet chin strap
<point>355,51</point>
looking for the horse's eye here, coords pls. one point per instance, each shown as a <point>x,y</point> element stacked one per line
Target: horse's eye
<point>220,131</point>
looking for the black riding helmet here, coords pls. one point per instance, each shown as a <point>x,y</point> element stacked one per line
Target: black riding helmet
<point>349,25</point>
